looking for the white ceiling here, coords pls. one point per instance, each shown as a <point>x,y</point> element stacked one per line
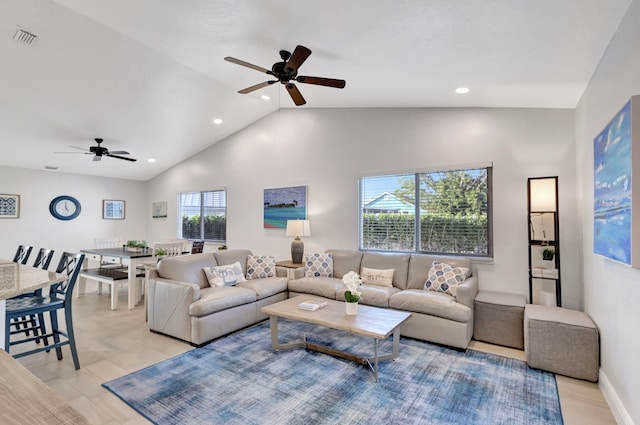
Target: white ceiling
<point>148,76</point>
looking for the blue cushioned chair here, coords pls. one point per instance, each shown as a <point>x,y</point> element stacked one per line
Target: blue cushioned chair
<point>43,259</point>
<point>60,297</point>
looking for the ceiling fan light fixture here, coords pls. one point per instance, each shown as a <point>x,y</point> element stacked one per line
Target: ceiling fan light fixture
<point>462,90</point>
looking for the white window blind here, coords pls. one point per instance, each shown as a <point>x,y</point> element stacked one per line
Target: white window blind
<point>202,215</point>
<point>445,212</point>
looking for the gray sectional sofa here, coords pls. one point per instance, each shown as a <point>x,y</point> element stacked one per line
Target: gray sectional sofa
<point>437,317</point>
<point>183,305</point>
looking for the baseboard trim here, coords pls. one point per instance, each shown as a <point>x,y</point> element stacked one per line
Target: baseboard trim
<point>618,410</point>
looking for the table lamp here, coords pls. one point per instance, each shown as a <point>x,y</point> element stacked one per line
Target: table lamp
<point>297,228</point>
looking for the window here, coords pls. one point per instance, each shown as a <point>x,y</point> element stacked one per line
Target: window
<point>211,205</point>
<point>440,212</point>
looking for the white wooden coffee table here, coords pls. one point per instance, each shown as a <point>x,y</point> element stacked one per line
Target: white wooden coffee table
<point>374,322</point>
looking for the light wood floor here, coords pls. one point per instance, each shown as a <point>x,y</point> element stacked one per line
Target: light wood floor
<point>114,343</point>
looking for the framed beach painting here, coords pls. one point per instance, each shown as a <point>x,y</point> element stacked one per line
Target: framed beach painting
<point>282,204</point>
<point>9,206</point>
<point>616,198</point>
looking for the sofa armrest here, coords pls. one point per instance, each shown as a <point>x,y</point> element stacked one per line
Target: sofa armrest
<point>466,292</point>
<point>168,304</point>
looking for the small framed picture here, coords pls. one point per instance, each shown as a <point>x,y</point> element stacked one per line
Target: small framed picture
<point>112,209</point>
<point>9,206</point>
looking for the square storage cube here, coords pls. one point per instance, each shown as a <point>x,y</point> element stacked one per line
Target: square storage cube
<point>498,318</point>
<point>561,341</point>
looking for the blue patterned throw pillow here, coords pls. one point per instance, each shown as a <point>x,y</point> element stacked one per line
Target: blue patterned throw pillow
<point>445,278</point>
<point>318,265</point>
<point>261,266</point>
<point>225,275</point>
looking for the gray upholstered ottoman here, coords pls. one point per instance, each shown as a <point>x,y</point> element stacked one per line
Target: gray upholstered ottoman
<point>561,341</point>
<point>498,318</point>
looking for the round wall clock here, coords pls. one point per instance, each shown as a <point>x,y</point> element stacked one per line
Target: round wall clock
<point>64,207</point>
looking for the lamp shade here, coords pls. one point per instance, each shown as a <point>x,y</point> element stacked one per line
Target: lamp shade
<point>298,228</point>
<point>543,194</point>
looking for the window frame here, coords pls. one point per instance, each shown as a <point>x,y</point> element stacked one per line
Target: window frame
<point>202,194</point>
<point>488,166</point>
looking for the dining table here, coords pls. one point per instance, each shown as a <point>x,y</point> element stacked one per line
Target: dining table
<point>17,279</point>
<point>130,259</point>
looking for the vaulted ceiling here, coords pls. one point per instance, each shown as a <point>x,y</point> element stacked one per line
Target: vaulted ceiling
<point>149,77</point>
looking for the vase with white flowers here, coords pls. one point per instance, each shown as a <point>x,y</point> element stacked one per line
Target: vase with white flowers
<point>351,296</point>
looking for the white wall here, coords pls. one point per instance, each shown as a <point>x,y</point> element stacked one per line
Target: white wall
<point>327,150</point>
<point>611,291</point>
<point>37,227</point>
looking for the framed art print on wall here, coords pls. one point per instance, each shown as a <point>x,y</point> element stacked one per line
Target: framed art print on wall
<point>282,204</point>
<point>113,209</point>
<point>9,206</point>
<point>159,209</point>
<point>616,198</point>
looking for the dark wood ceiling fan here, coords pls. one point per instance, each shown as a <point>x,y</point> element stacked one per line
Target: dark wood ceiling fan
<point>286,72</point>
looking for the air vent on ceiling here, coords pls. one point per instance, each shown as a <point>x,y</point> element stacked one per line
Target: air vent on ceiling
<point>25,37</point>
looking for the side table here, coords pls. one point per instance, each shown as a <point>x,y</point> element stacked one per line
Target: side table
<point>291,267</point>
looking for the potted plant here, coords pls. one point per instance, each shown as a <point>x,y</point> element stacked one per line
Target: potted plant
<point>136,246</point>
<point>351,296</point>
<point>222,247</point>
<point>547,258</point>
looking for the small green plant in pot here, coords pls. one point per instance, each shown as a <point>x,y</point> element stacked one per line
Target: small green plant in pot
<point>547,254</point>
<point>547,258</point>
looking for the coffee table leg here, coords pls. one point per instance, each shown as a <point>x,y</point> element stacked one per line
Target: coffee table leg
<point>375,360</point>
<point>273,323</point>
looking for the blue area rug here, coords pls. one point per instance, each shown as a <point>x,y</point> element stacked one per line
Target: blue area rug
<point>239,379</point>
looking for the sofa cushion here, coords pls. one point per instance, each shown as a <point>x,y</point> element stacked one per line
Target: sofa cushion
<point>225,257</point>
<point>261,266</point>
<point>377,277</point>
<point>318,265</point>
<point>220,298</point>
<point>345,261</point>
<point>432,303</point>
<point>225,275</point>
<point>187,268</point>
<point>266,287</point>
<point>377,296</point>
<point>322,286</point>
<point>399,262</point>
<point>444,277</point>
<point>420,264</point>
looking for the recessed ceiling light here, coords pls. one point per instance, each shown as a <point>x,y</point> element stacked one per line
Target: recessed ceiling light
<point>217,121</point>
<point>265,97</point>
<point>151,160</point>
<point>462,90</point>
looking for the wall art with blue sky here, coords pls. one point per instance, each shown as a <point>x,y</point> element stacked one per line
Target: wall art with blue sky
<point>282,204</point>
<point>616,222</point>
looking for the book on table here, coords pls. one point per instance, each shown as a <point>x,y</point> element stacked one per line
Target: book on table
<point>312,305</point>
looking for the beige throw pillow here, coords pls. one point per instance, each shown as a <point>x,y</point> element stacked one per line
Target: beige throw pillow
<point>378,277</point>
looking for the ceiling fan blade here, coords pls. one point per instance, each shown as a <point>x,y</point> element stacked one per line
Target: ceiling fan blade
<point>319,81</point>
<point>119,152</point>
<point>300,54</point>
<point>295,94</point>
<point>82,149</point>
<point>120,157</point>
<point>72,152</point>
<point>97,158</point>
<point>256,87</point>
<point>247,64</point>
